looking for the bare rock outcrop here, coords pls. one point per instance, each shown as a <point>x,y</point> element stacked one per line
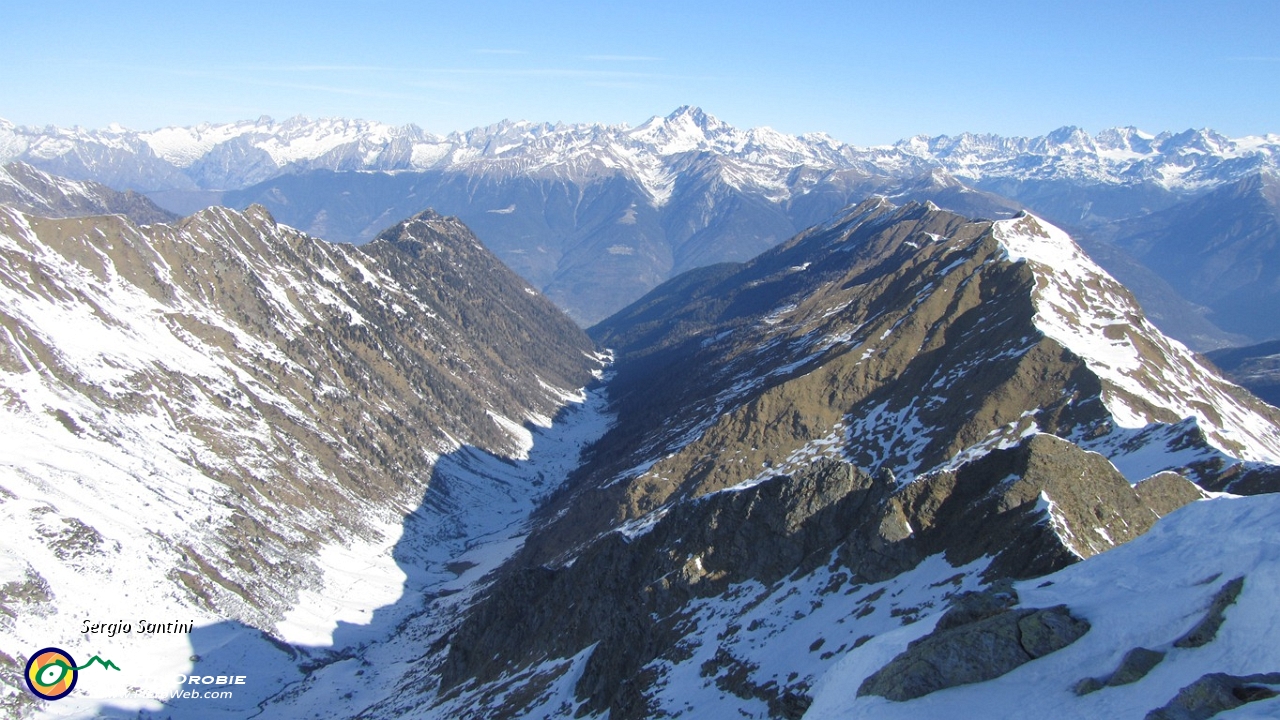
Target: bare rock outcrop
<point>1215,693</point>
<point>975,652</point>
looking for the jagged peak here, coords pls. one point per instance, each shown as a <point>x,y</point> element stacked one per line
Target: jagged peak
<point>215,213</point>
<point>1067,133</point>
<point>694,114</point>
<point>411,230</point>
<point>1125,138</point>
<point>428,216</point>
<point>260,212</point>
<point>684,110</point>
<point>912,210</point>
<point>687,128</point>
<point>1203,139</point>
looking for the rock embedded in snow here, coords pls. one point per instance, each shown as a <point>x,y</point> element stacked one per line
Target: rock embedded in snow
<point>1215,693</point>
<point>975,652</point>
<point>1207,629</point>
<point>1167,491</point>
<point>1133,667</point>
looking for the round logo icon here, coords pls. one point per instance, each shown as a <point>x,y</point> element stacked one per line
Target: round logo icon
<point>51,673</point>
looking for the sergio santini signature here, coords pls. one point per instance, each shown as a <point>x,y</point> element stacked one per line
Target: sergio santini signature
<point>144,627</point>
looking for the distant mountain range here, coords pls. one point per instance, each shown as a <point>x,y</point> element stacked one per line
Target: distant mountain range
<point>232,156</point>
<point>595,215</point>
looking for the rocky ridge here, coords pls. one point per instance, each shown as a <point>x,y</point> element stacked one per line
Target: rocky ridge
<point>1051,417</point>
<point>37,193</point>
<point>199,417</point>
<point>823,345</point>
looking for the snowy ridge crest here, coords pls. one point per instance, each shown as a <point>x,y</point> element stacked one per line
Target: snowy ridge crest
<point>1145,375</point>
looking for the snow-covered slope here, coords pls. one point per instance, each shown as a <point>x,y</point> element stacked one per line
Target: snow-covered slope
<point>37,193</point>
<point>226,420</point>
<point>1147,378</point>
<point>1146,594</point>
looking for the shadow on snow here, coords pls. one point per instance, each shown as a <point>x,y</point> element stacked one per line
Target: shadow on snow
<point>472,516</point>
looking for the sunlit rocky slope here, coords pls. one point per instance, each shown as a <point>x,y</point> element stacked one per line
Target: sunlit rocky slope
<point>840,438</point>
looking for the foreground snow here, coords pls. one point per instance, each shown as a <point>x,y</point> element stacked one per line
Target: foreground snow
<point>1146,593</point>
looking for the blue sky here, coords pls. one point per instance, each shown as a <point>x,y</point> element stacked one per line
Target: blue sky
<point>864,72</point>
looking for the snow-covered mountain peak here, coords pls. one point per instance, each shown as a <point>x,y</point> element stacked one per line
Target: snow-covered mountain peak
<point>1070,139</point>
<point>1027,237</point>
<point>1147,377</point>
<point>1203,140</point>
<point>1125,138</point>
<point>687,129</point>
<point>693,115</point>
